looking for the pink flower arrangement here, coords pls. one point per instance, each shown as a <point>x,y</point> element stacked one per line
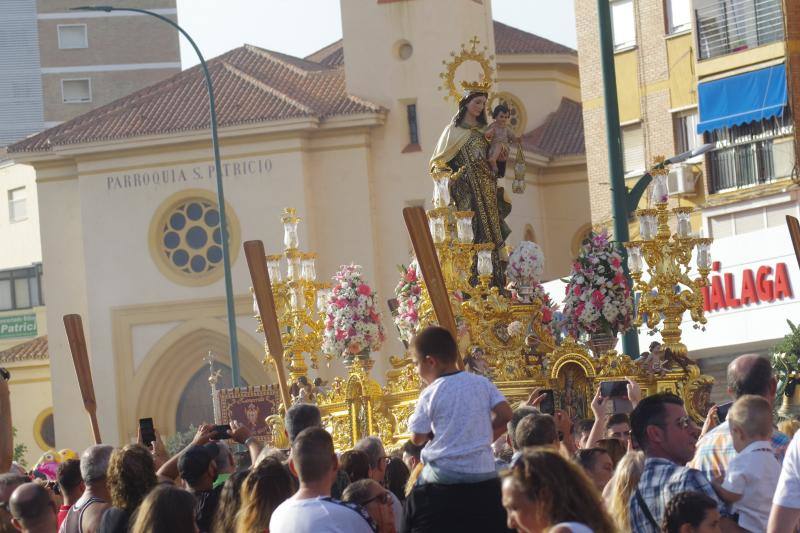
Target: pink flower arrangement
<point>598,298</point>
<point>353,322</point>
<point>408,293</point>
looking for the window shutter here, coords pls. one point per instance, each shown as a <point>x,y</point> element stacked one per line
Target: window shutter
<point>622,19</point>
<point>633,148</point>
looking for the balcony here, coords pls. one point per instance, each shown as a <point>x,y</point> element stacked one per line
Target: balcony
<point>751,155</point>
<point>728,26</point>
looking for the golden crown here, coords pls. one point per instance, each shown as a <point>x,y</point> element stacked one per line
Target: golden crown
<point>483,85</point>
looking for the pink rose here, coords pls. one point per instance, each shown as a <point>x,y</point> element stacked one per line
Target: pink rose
<point>364,289</point>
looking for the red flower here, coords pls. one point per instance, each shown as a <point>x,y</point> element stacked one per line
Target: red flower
<point>547,315</point>
<point>364,289</point>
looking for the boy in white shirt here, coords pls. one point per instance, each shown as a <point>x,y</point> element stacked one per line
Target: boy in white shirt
<point>753,474</point>
<point>311,509</point>
<point>458,415</point>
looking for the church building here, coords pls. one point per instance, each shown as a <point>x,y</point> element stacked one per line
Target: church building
<point>129,219</point>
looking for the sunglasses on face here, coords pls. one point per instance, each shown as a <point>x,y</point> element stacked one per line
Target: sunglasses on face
<point>382,498</point>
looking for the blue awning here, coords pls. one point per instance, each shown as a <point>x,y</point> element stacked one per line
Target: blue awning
<point>741,99</point>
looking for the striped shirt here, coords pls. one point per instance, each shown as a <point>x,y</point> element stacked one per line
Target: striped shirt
<point>715,450</point>
<point>661,480</point>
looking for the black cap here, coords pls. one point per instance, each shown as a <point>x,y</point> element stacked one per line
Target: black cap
<point>194,461</point>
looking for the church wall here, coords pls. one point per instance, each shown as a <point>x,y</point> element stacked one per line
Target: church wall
<point>565,202</point>
<point>65,287</point>
<point>540,89</point>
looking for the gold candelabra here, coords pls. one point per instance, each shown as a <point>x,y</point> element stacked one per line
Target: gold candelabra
<point>669,290</point>
<point>300,300</point>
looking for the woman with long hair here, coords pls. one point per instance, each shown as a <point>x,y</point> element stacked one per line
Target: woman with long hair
<point>230,500</point>
<point>166,509</point>
<point>130,476</point>
<point>266,487</point>
<point>396,477</point>
<point>619,490</point>
<point>543,491</point>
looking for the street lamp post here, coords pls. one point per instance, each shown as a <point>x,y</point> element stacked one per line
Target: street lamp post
<point>226,257</point>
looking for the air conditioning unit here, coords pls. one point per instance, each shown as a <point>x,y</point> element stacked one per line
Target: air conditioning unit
<point>681,179</point>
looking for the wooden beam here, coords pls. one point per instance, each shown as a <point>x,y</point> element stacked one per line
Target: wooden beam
<point>794,232</point>
<point>80,358</point>
<point>256,262</point>
<point>418,229</point>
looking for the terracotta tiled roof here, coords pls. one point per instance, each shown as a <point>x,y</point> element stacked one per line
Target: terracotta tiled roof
<point>251,85</point>
<point>561,134</point>
<point>507,40</point>
<point>510,40</point>
<point>32,350</point>
<point>332,55</point>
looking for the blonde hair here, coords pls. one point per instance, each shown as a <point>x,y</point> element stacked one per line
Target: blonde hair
<point>266,487</point>
<point>559,490</point>
<point>620,488</point>
<point>412,478</point>
<point>789,427</point>
<point>753,415</point>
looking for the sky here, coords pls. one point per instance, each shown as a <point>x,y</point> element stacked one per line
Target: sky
<point>300,27</point>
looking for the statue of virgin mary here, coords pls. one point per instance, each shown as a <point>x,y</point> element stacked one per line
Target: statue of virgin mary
<point>463,145</point>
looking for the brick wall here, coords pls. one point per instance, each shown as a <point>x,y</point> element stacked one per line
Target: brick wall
<point>791,13</point>
<point>653,76</point>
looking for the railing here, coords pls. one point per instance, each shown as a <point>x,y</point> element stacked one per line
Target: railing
<point>741,166</point>
<point>728,26</point>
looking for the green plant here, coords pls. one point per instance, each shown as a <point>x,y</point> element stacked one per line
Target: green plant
<point>180,440</point>
<point>785,356</point>
<point>20,449</point>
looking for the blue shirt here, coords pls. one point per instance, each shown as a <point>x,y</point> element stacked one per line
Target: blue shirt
<point>661,480</point>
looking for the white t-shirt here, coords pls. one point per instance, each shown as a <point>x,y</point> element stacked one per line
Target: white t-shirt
<point>317,515</point>
<point>457,408</point>
<point>753,473</point>
<point>788,492</point>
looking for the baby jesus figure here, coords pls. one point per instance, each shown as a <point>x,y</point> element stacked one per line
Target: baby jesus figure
<point>500,135</point>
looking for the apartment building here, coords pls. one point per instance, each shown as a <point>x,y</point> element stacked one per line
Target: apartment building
<point>689,73</point>
<point>56,64</point>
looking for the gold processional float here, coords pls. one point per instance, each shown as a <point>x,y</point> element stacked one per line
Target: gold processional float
<point>511,336</point>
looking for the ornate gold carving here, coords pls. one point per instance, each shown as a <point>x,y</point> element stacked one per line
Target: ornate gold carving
<point>484,84</point>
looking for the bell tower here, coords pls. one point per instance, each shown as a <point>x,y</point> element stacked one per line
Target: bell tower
<point>394,48</point>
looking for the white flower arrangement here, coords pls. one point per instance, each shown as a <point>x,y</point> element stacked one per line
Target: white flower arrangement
<point>525,264</point>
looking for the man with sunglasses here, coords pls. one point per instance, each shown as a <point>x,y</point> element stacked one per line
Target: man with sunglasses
<point>378,461</point>
<point>375,499</point>
<point>668,437</point>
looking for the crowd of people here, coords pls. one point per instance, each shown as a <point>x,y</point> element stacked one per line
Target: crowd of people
<point>472,463</point>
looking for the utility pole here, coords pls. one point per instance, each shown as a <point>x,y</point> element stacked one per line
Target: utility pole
<point>616,169</point>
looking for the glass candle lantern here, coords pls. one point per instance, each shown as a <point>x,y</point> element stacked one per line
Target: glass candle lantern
<point>293,263</point>
<point>436,224</point>
<point>684,227</point>
<point>290,238</point>
<point>647,224</point>
<point>274,268</point>
<point>255,303</point>
<point>309,271</point>
<point>441,191</point>
<point>485,262</point>
<point>464,226</point>
<point>660,192</point>
<point>635,259</point>
<point>704,254</point>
